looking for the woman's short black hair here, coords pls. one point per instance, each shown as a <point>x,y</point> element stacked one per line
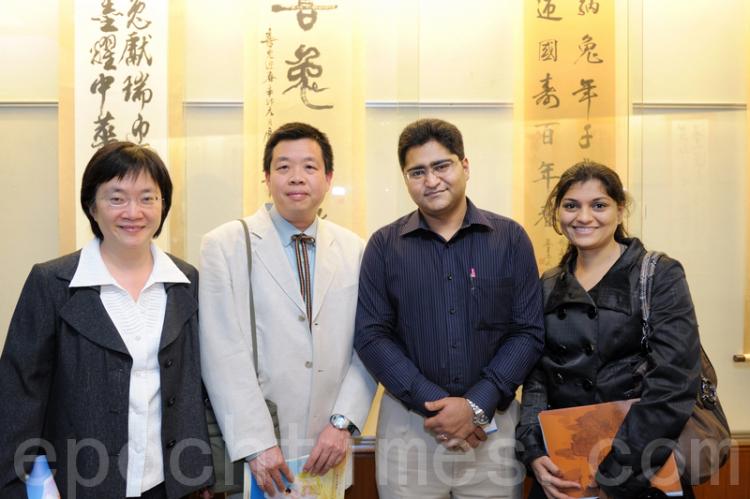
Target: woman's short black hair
<point>120,160</point>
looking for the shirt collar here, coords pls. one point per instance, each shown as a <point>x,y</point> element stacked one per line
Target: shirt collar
<point>473,216</point>
<point>285,229</point>
<point>92,271</point>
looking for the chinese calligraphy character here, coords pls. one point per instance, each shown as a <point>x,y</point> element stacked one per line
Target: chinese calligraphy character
<point>548,132</point>
<point>140,128</point>
<point>104,133</point>
<point>583,7</point>
<point>269,41</point>
<point>134,18</point>
<point>587,47</point>
<point>548,50</point>
<point>103,52</point>
<point>135,53</point>
<point>545,169</point>
<point>545,12</point>
<point>545,260</point>
<point>307,12</point>
<point>585,141</point>
<point>302,71</point>
<point>101,85</point>
<point>542,218</point>
<point>547,96</point>
<point>587,93</point>
<point>107,20</point>
<point>135,89</point>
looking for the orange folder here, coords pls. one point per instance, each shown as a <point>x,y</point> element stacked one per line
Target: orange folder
<point>578,438</point>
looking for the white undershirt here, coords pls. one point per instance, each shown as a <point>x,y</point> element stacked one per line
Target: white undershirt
<point>140,325</point>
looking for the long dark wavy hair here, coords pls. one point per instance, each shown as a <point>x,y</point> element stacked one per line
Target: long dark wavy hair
<point>581,172</point>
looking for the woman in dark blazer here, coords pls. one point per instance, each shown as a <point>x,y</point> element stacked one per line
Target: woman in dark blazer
<point>100,370</point>
<point>592,350</point>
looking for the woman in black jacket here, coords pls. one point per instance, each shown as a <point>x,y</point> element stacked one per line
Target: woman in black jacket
<point>593,339</point>
<point>101,367</point>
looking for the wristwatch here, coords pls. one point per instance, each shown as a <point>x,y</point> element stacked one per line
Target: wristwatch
<point>341,422</point>
<point>480,418</point>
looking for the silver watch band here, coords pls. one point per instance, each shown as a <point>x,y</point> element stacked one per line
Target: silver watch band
<point>480,418</point>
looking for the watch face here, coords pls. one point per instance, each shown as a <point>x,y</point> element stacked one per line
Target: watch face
<point>339,422</point>
<point>481,420</point>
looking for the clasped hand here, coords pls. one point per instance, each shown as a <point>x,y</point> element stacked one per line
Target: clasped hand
<point>453,425</point>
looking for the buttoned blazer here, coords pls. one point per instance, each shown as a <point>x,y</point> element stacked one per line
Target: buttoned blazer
<point>310,375</point>
<point>64,377</point>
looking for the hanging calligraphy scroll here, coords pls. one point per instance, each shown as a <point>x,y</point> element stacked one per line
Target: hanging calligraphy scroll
<point>303,62</point>
<point>569,102</point>
<point>118,56</point>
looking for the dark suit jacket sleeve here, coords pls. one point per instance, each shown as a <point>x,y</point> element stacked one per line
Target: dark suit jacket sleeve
<point>375,336</point>
<point>523,344</point>
<point>26,368</point>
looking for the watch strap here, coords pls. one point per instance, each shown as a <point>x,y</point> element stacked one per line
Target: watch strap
<point>480,418</point>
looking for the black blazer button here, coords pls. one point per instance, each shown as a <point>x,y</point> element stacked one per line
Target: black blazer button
<point>588,349</point>
<point>592,313</point>
<point>171,402</point>
<point>561,313</point>
<point>559,378</point>
<point>587,385</point>
<point>171,443</point>
<point>558,348</point>
<point>169,363</point>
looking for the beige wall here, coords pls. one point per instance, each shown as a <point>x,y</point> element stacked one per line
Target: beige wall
<point>693,164</point>
<point>427,58</point>
<point>28,145</point>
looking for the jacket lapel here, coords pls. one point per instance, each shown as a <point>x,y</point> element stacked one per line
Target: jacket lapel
<point>325,266</point>
<point>85,313</point>
<point>181,305</point>
<point>269,252</point>
<point>566,291</point>
<point>614,290</point>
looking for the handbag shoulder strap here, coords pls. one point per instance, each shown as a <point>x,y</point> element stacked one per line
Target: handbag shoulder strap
<point>648,267</point>
<point>249,250</point>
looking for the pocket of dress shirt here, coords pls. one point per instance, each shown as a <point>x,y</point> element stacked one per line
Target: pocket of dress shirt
<point>491,304</point>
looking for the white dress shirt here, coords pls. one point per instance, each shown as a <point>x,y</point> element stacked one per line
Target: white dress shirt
<point>140,325</point>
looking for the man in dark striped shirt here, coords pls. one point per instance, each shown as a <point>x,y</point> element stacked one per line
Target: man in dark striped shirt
<point>449,320</point>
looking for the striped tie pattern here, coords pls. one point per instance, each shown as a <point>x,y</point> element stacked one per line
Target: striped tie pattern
<point>301,241</point>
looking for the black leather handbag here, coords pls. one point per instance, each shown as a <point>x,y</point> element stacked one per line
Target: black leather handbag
<point>704,444</point>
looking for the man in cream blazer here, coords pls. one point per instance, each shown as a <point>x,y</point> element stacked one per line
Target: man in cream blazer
<point>307,365</point>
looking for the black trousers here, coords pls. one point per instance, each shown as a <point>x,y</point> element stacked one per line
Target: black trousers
<point>158,492</point>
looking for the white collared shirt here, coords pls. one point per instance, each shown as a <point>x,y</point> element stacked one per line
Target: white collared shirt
<point>140,325</point>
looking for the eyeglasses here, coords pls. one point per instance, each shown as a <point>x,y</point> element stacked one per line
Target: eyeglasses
<point>119,201</point>
<point>419,173</point>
